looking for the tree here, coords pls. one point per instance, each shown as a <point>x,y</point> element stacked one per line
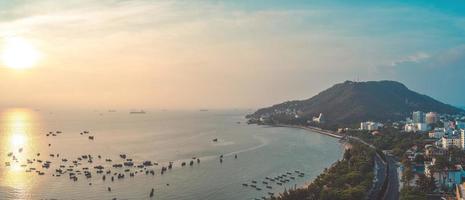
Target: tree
<point>419,159</point>
<point>410,193</point>
<point>348,156</point>
<point>426,184</point>
<point>407,175</point>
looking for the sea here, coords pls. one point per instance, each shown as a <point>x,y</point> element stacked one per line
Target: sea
<point>231,154</point>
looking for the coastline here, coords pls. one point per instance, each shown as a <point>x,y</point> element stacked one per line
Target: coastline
<point>342,138</point>
<point>320,131</point>
<point>313,129</point>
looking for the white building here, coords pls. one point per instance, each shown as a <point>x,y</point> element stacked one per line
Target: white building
<point>416,127</point>
<point>422,127</point>
<point>437,133</point>
<point>371,126</point>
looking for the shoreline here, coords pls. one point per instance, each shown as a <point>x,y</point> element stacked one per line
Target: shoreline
<point>320,131</point>
<point>313,129</point>
<point>334,135</point>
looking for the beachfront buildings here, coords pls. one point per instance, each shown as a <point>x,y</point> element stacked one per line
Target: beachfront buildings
<point>371,126</point>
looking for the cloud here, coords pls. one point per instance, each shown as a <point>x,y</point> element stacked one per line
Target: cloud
<point>179,53</point>
<point>415,58</point>
<point>440,75</point>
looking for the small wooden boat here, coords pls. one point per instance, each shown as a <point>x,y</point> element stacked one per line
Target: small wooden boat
<point>151,192</point>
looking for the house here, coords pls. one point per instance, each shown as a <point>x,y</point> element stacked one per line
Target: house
<point>453,177</point>
<point>437,133</point>
<point>447,142</point>
<point>450,178</point>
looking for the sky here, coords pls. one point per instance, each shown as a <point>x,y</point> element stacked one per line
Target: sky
<point>226,54</point>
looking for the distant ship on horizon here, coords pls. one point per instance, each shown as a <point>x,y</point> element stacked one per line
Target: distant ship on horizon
<point>137,112</point>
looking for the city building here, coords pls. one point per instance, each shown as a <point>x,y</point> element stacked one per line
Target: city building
<point>447,142</point>
<point>453,177</point>
<point>422,127</point>
<point>462,139</point>
<point>460,192</point>
<point>433,151</point>
<point>371,126</point>
<point>449,125</point>
<point>437,133</point>
<point>416,127</point>
<point>460,125</point>
<point>418,117</point>
<point>431,118</point>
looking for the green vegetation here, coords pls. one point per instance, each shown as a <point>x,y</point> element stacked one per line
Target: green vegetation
<point>399,142</point>
<point>348,179</point>
<point>349,103</point>
<point>391,139</point>
<point>411,193</point>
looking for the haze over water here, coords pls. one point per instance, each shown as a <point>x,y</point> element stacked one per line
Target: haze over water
<point>158,136</point>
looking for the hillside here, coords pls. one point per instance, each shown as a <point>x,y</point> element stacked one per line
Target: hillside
<point>353,102</point>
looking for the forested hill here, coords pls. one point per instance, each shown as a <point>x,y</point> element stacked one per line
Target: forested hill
<point>352,102</point>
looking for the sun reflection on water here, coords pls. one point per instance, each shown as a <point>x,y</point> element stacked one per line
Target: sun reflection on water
<point>16,146</point>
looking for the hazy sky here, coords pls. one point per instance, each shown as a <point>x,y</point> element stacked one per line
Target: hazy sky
<point>227,54</point>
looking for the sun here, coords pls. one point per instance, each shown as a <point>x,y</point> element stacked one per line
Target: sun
<point>18,140</point>
<point>18,53</point>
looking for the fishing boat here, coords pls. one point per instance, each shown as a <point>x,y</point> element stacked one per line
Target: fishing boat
<point>137,112</point>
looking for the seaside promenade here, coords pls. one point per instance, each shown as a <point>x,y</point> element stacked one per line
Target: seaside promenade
<point>314,129</point>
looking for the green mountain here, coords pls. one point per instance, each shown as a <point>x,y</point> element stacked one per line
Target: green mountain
<point>350,102</point>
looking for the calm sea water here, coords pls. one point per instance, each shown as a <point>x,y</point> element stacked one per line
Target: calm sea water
<point>158,136</point>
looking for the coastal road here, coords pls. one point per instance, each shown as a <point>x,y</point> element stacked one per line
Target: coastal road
<point>380,170</point>
<point>392,192</point>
